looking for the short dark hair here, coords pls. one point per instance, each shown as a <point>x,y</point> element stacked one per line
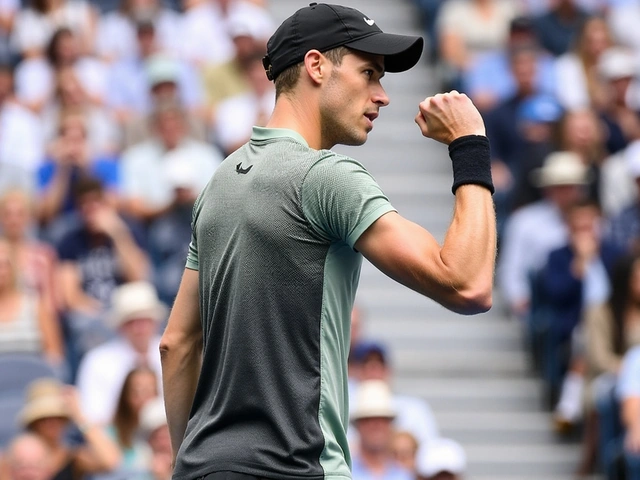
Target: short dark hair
<point>84,185</point>
<point>288,79</point>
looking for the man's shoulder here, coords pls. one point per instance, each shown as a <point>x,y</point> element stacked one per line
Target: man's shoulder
<point>143,152</point>
<point>103,356</point>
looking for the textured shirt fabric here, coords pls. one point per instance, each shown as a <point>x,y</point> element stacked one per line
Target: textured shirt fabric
<point>273,242</point>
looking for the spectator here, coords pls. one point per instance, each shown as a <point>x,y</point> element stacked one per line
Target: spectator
<point>537,123</point>
<point>160,80</point>
<point>404,447</point>
<point>154,428</point>
<point>558,28</point>
<point>624,228</point>
<point>372,417</point>
<point>71,159</point>
<point>26,324</point>
<point>533,231</point>
<point>100,253</point>
<point>22,146</point>
<point>443,460</point>
<point>581,133</point>
<point>611,329</point>
<point>27,458</point>
<point>225,80</point>
<point>413,414</point>
<point>147,192</point>
<point>492,79</point>
<point>169,234</point>
<point>140,387</point>
<point>35,25</point>
<point>618,67</point>
<point>116,33</point>
<point>502,129</point>
<point>579,67</point>
<point>8,11</point>
<point>575,278</point>
<point>139,81</point>
<point>36,260</point>
<point>136,313</point>
<point>237,115</point>
<point>70,97</point>
<point>50,409</point>
<point>623,21</point>
<point>467,28</point>
<point>203,37</point>
<point>35,77</point>
<point>628,391</point>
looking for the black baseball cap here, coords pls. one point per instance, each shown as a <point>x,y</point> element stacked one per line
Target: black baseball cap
<point>323,27</point>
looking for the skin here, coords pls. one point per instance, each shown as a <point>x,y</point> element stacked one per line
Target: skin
<point>334,104</point>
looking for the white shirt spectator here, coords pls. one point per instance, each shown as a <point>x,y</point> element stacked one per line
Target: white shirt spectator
<point>478,33</point>
<point>21,140</point>
<point>569,71</point>
<point>203,36</point>
<point>144,169</point>
<point>237,115</point>
<point>32,29</point>
<point>102,373</point>
<point>530,235</point>
<point>629,378</point>
<point>35,81</point>
<point>623,22</point>
<point>116,35</point>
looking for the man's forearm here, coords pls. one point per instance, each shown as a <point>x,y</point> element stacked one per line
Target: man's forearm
<point>469,249</point>
<point>180,373</point>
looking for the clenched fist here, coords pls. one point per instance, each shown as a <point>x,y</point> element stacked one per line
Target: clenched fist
<point>447,116</point>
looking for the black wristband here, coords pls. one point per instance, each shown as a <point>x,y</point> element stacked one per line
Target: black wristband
<point>471,160</point>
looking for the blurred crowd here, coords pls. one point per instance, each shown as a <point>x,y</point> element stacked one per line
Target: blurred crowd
<point>113,116</point>
<point>557,82</point>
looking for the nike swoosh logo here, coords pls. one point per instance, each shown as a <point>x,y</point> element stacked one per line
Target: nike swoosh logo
<point>369,21</point>
<point>239,168</point>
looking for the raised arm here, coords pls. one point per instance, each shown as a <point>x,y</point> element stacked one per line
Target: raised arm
<point>181,354</point>
<point>459,273</point>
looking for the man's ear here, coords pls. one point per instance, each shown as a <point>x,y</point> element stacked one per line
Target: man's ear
<point>317,66</point>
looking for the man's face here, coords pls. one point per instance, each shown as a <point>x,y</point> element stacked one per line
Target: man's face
<point>138,331</point>
<point>351,99</point>
<point>375,433</point>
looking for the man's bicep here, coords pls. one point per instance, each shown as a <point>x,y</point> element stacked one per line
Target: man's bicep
<point>405,252</point>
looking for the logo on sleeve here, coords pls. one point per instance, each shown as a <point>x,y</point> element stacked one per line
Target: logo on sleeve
<point>369,22</point>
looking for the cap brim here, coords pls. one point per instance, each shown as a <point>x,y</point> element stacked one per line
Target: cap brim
<point>401,52</point>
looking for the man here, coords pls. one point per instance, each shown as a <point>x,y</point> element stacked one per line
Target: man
<point>413,414</point>
<point>372,417</point>
<point>147,190</point>
<point>535,230</point>
<point>136,314</point>
<point>96,255</point>
<point>28,458</point>
<point>262,313</point>
<point>624,228</point>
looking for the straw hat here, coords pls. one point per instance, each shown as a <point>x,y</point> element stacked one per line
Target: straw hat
<point>561,168</point>
<point>44,400</point>
<point>373,400</point>
<point>135,300</point>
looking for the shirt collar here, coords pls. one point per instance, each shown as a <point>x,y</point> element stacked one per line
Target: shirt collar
<point>262,134</point>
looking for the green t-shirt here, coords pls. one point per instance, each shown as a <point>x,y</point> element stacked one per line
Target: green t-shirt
<point>273,242</point>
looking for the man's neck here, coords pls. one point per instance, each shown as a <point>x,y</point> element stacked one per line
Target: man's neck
<point>297,115</point>
<point>375,461</point>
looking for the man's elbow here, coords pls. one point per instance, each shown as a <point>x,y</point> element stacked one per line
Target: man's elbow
<point>473,302</point>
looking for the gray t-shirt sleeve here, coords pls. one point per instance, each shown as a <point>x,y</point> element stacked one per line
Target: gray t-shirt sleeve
<point>192,254</point>
<point>341,199</point>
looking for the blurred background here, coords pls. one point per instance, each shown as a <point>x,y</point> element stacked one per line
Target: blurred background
<point>114,114</point>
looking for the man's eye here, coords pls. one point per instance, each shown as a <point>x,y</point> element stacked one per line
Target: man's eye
<point>369,73</point>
